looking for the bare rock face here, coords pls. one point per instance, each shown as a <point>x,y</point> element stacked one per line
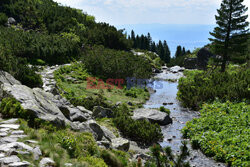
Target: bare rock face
<point>7,78</point>
<point>152,115</point>
<point>41,104</point>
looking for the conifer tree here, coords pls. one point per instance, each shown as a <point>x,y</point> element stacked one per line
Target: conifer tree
<point>230,35</point>
<point>166,52</point>
<point>178,52</point>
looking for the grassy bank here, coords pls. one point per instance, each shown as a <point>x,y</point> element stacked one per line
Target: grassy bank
<point>222,132</point>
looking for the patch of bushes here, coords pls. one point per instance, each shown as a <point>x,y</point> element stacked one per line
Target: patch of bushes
<point>52,49</point>
<point>3,19</point>
<point>18,68</point>
<point>134,92</point>
<point>223,132</point>
<point>11,108</point>
<point>78,144</point>
<point>141,131</point>
<point>205,86</point>
<point>163,109</point>
<point>108,63</point>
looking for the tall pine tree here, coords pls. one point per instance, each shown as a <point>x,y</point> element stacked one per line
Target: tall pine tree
<point>230,35</point>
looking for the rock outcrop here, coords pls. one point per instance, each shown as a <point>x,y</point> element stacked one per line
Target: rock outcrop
<point>152,115</point>
<point>176,69</point>
<point>100,112</point>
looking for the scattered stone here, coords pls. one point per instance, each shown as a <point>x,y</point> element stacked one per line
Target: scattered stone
<point>169,140</point>
<point>20,164</point>
<point>32,141</point>
<point>10,121</point>
<point>14,145</point>
<point>8,140</point>
<point>18,136</point>
<point>37,153</point>
<point>4,130</point>
<point>45,162</point>
<point>8,160</point>
<point>22,152</point>
<point>3,134</point>
<point>17,132</point>
<point>120,144</point>
<point>11,21</point>
<point>68,164</point>
<point>11,126</point>
<point>2,155</point>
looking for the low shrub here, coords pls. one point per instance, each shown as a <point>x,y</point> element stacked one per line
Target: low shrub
<point>108,63</point>
<point>201,86</point>
<point>138,130</point>
<point>78,144</point>
<point>222,131</point>
<point>3,19</point>
<point>164,157</point>
<point>163,109</point>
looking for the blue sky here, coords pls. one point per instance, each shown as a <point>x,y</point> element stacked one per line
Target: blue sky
<point>120,12</point>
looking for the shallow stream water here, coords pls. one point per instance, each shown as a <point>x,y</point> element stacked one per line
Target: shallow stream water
<point>166,92</point>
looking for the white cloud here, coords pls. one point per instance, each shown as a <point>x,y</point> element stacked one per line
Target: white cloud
<point>149,11</point>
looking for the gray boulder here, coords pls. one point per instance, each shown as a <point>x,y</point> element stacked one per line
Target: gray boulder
<point>8,160</point>
<point>41,104</point>
<point>100,112</point>
<point>152,115</point>
<point>100,132</point>
<point>7,78</point>
<point>11,21</point>
<point>37,103</point>
<point>45,162</point>
<point>120,144</point>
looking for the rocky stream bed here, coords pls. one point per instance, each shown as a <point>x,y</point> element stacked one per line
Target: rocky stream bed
<point>48,105</point>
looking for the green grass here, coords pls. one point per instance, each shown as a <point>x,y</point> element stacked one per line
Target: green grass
<point>78,88</point>
<point>223,132</point>
<point>66,146</point>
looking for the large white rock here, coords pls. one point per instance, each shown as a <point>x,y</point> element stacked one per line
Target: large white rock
<point>152,115</point>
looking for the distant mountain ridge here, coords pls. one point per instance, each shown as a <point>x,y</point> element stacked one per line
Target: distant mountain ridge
<point>190,36</point>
